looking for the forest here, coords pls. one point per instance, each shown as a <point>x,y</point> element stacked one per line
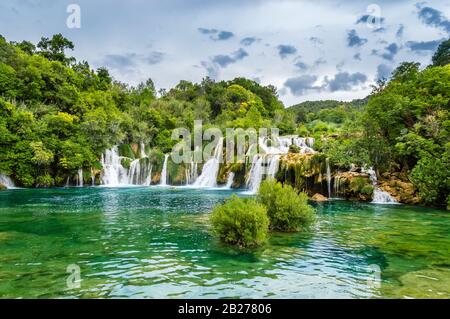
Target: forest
<point>59,115</point>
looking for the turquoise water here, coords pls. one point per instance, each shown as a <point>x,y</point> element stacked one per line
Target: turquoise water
<point>156,243</point>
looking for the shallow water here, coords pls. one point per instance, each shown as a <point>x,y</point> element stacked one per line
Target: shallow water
<point>155,242</point>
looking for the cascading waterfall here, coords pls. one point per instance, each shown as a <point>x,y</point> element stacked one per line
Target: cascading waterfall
<point>148,179</point>
<point>328,177</point>
<point>268,163</point>
<point>337,185</point>
<point>163,181</point>
<point>80,178</point>
<point>92,178</point>
<point>230,180</point>
<point>379,196</point>
<point>208,177</point>
<point>262,165</point>
<point>114,174</point>
<point>256,174</point>
<point>6,181</point>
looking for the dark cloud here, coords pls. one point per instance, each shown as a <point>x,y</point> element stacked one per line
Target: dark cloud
<point>211,68</point>
<point>224,35</point>
<point>207,31</point>
<point>384,71</point>
<point>357,56</point>
<point>224,60</point>
<point>418,46</point>
<point>354,40</point>
<point>249,41</point>
<point>344,81</point>
<point>390,53</point>
<point>128,61</point>
<point>301,66</point>
<point>369,19</point>
<point>433,18</point>
<point>120,61</point>
<point>301,84</point>
<point>216,35</point>
<point>379,30</point>
<point>284,50</point>
<point>154,57</point>
<point>320,61</point>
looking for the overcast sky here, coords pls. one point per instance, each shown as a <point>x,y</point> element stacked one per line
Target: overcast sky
<point>310,50</point>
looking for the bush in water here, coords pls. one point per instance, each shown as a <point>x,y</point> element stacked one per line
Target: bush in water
<point>287,210</point>
<point>241,221</point>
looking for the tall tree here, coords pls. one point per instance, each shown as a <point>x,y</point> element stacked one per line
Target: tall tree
<point>54,48</point>
<point>442,55</point>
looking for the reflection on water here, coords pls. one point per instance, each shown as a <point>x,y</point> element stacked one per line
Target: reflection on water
<point>156,243</point>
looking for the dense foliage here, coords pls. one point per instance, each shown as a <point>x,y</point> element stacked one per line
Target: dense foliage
<point>404,127</point>
<point>59,115</point>
<point>241,221</point>
<point>287,210</point>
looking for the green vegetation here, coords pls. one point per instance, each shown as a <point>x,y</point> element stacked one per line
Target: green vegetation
<point>246,222</point>
<point>403,127</point>
<point>58,115</point>
<point>287,210</point>
<point>241,222</point>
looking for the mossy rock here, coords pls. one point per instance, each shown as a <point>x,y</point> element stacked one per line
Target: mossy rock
<point>125,150</point>
<point>2,187</point>
<point>303,171</point>
<point>126,162</point>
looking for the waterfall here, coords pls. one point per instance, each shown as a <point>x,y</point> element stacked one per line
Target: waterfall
<point>142,150</point>
<point>134,172</point>
<point>148,180</point>
<point>67,181</point>
<point>208,177</point>
<point>337,185</point>
<point>256,174</point>
<point>80,178</point>
<point>328,177</point>
<point>92,177</point>
<point>163,181</point>
<point>379,196</point>
<point>114,174</point>
<point>6,181</point>
<point>230,180</point>
<point>267,165</point>
<point>273,163</point>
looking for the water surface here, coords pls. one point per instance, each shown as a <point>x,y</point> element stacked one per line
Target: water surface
<point>156,243</point>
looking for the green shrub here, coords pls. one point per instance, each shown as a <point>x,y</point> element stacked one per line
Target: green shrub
<point>126,162</point>
<point>367,189</point>
<point>45,181</point>
<point>241,222</point>
<point>287,210</point>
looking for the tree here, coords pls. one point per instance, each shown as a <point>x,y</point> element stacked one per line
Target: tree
<point>26,47</point>
<point>54,48</point>
<point>442,55</point>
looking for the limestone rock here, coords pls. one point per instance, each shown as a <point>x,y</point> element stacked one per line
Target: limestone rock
<point>319,198</point>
